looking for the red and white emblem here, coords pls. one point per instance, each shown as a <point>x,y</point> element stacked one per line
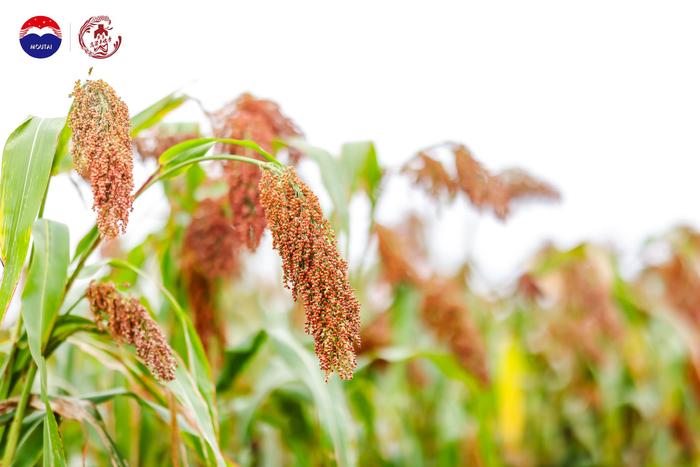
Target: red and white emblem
<point>97,37</point>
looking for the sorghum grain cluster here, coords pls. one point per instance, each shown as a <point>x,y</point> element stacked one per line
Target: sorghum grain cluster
<point>202,297</point>
<point>210,244</point>
<point>127,321</point>
<point>484,189</point>
<point>261,121</point>
<point>445,313</point>
<point>313,268</point>
<point>102,152</point>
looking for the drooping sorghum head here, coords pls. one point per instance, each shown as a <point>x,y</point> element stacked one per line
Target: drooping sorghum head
<point>430,174</point>
<point>497,192</point>
<point>127,321</point>
<point>446,314</point>
<point>398,264</point>
<point>313,268</point>
<point>210,246</point>
<point>102,152</point>
<point>485,190</point>
<point>261,121</point>
<point>244,200</point>
<point>578,292</point>
<point>201,294</point>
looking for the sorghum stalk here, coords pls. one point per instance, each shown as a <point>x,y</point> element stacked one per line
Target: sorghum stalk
<point>13,434</point>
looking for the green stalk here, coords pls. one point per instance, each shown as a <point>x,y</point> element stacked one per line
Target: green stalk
<point>6,373</point>
<point>158,175</point>
<point>15,428</point>
<point>251,145</point>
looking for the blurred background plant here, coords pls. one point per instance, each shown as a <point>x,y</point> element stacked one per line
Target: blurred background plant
<point>573,364</point>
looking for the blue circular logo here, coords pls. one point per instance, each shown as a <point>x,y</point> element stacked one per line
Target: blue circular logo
<point>40,36</point>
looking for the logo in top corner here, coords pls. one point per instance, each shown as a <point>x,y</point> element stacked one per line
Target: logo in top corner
<point>97,37</point>
<point>40,36</point>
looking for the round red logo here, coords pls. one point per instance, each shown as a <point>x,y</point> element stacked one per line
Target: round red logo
<point>40,36</point>
<point>97,37</point>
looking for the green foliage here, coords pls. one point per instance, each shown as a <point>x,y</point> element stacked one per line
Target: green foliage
<point>155,113</point>
<point>46,280</point>
<point>26,168</point>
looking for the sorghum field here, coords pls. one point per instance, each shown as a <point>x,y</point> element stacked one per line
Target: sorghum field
<point>169,351</point>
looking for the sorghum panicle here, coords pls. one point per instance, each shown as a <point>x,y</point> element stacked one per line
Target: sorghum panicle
<point>211,244</point>
<point>499,191</point>
<point>397,265</point>
<point>244,199</point>
<point>430,174</point>
<point>261,121</point>
<point>485,190</point>
<point>102,152</point>
<point>202,298</point>
<point>313,268</point>
<point>446,314</point>
<point>476,181</point>
<point>588,291</point>
<point>127,321</point>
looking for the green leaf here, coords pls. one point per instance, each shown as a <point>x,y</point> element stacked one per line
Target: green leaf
<point>195,148</point>
<point>187,150</point>
<point>61,162</point>
<point>30,445</point>
<point>41,301</point>
<point>193,389</point>
<point>335,182</point>
<point>236,360</point>
<point>185,389</point>
<point>43,291</point>
<point>86,242</point>
<point>88,415</point>
<point>156,112</point>
<point>66,326</point>
<point>362,168</point>
<point>53,446</point>
<point>26,167</point>
<point>329,399</point>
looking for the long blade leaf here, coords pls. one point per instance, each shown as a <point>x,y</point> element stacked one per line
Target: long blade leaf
<point>26,168</point>
<point>43,291</point>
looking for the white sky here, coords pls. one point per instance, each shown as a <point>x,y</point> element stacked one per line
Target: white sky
<point>600,97</point>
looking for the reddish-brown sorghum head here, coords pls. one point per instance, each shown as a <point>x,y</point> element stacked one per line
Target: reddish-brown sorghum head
<point>102,152</point>
<point>313,268</point>
<point>259,120</point>
<point>211,244</point>
<point>127,321</point>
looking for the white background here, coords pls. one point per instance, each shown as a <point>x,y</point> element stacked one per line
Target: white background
<point>602,98</point>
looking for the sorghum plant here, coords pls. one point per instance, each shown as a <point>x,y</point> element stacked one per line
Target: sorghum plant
<point>180,346</point>
<point>98,135</point>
